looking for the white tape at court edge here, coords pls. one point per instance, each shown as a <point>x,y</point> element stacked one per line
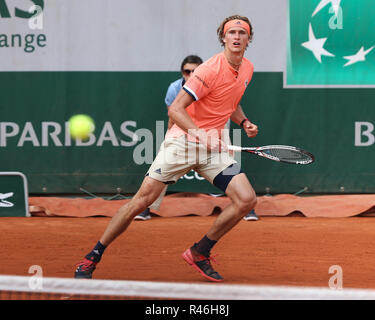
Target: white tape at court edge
<point>183,290</point>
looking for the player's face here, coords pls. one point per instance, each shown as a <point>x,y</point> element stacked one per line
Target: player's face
<point>188,70</point>
<point>236,39</point>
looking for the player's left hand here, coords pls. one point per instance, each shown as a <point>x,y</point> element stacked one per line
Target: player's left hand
<point>250,128</point>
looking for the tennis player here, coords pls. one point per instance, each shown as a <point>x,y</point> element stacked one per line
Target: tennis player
<point>200,111</point>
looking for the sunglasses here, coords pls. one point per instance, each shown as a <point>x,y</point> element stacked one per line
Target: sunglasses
<point>187,71</point>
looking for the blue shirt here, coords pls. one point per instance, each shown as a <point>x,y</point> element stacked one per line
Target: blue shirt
<point>173,89</point>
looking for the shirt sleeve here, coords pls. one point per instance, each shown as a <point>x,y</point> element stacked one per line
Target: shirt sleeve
<point>171,95</point>
<point>200,83</point>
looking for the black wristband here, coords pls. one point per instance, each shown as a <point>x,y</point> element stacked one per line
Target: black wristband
<point>243,121</point>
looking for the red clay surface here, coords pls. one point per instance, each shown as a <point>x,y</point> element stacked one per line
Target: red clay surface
<point>273,251</point>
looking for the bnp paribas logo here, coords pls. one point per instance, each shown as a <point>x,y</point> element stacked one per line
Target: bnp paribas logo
<point>331,44</point>
<point>25,18</point>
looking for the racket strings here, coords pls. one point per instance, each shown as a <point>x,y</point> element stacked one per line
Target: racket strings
<point>288,155</point>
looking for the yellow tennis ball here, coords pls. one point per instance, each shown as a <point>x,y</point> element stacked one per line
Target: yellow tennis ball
<point>80,126</point>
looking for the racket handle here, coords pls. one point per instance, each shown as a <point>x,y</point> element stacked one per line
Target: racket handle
<point>234,148</point>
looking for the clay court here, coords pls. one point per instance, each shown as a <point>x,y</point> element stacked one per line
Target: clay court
<point>276,250</point>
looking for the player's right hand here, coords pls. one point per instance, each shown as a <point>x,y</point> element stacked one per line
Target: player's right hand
<point>214,143</point>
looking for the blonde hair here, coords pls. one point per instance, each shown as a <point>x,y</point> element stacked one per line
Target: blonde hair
<point>220,30</point>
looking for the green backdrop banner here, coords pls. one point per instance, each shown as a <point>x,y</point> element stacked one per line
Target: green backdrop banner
<point>336,125</point>
<point>331,44</point>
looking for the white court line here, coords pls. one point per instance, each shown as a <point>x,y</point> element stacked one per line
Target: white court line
<point>180,290</point>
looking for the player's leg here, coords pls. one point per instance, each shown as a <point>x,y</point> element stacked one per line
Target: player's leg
<point>250,216</point>
<point>147,193</point>
<point>243,200</point>
<point>243,197</point>
<point>226,174</point>
<point>164,170</point>
<point>146,215</point>
<point>157,203</point>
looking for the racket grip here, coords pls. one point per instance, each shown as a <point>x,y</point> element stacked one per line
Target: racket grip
<point>234,148</point>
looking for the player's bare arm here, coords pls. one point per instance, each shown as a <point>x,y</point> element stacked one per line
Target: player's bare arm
<point>178,114</point>
<point>239,116</point>
<point>170,122</point>
<point>181,118</point>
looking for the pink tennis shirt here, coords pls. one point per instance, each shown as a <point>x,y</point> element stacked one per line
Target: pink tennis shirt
<point>217,89</point>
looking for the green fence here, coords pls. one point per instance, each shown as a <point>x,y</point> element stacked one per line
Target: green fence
<point>36,105</point>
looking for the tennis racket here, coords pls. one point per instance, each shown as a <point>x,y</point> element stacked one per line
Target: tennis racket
<point>287,154</point>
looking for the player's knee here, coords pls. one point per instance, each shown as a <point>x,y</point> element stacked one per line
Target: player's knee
<point>246,204</point>
<point>135,206</point>
<point>142,203</point>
